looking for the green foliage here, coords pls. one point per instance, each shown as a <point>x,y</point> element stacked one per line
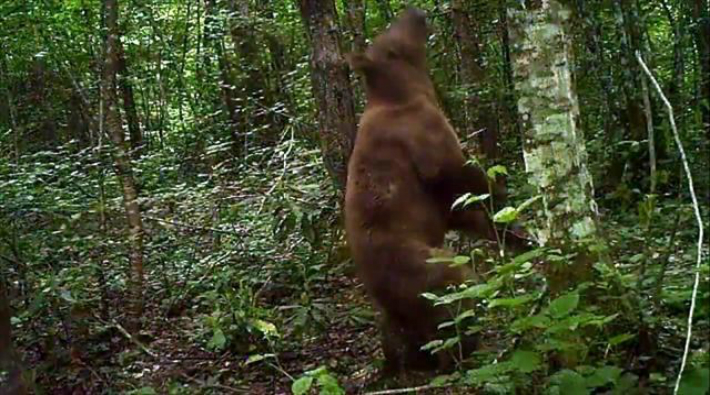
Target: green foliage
<point>326,383</point>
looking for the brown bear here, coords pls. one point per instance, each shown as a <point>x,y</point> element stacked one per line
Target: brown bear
<point>405,171</point>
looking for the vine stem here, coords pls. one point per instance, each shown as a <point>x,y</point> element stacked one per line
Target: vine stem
<point>698,217</point>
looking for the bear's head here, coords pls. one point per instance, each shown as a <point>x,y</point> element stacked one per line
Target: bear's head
<point>394,66</point>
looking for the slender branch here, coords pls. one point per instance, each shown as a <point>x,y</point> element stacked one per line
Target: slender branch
<point>698,217</point>
<point>133,339</point>
<point>651,137</point>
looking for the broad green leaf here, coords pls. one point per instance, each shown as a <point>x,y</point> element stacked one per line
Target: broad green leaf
<point>564,305</point>
<point>538,321</point>
<point>572,382</point>
<point>487,373</point>
<point>329,385</point>
<point>603,376</point>
<point>302,385</point>
<point>695,381</point>
<point>626,384</point>
<point>218,340</point>
<point>526,361</point>
<point>505,215</point>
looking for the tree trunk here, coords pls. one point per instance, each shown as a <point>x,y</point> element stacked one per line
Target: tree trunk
<point>252,85</point>
<point>510,113</point>
<point>41,83</point>
<point>331,88</point>
<point>480,114</point>
<point>592,29</point>
<point>11,116</point>
<point>226,79</point>
<point>129,103</point>
<point>355,11</point>
<point>554,150</point>
<point>355,17</point>
<point>628,29</point>
<point>701,14</point>
<point>281,95</point>
<point>11,380</point>
<point>122,162</point>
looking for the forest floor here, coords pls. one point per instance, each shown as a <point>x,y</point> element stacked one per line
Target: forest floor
<point>166,359</point>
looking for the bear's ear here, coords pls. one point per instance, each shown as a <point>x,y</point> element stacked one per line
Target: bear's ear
<point>360,62</point>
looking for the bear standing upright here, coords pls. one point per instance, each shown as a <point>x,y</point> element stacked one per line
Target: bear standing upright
<point>406,170</point>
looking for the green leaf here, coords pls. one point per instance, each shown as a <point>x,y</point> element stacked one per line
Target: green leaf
<point>564,305</point>
<point>475,199</point>
<point>329,385</point>
<point>461,260</point>
<point>440,259</point>
<point>266,328</point>
<point>528,203</point>
<point>695,381</point>
<point>626,384</point>
<point>506,215</point>
<point>538,321</point>
<point>302,385</point>
<point>529,255</point>
<point>510,302</point>
<point>616,340</point>
<point>526,361</point>
<point>218,340</point>
<point>473,292</point>
<point>603,376</point>
<point>460,200</point>
<point>496,170</point>
<point>487,373</point>
<point>572,382</point>
<point>468,199</point>
<point>432,345</point>
<point>258,357</point>
<point>464,315</point>
<point>450,342</point>
<point>431,296</point>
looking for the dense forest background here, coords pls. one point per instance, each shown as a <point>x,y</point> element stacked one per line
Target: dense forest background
<point>171,175</point>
